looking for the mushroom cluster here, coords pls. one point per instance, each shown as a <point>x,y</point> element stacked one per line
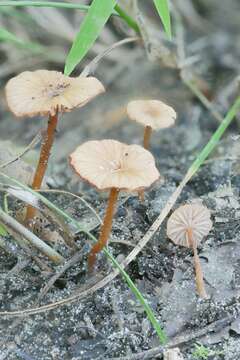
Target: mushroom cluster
<point>108,165</point>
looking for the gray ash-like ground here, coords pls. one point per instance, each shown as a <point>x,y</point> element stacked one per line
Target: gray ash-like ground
<point>110,322</point>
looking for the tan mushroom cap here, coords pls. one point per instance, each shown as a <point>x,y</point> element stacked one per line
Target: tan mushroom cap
<point>108,164</point>
<point>152,113</point>
<point>195,217</point>
<point>43,92</point>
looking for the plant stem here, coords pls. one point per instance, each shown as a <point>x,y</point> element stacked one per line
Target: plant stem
<point>198,269</point>
<point>30,237</point>
<point>128,19</point>
<point>147,136</point>
<point>141,195</point>
<point>43,161</point>
<point>105,229</point>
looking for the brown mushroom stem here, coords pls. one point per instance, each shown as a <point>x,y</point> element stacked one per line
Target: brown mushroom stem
<point>146,142</point>
<point>198,269</point>
<point>105,229</point>
<point>47,143</point>
<point>147,136</point>
<point>141,195</point>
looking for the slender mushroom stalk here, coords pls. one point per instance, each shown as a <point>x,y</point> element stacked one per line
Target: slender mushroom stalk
<point>147,136</point>
<point>153,115</point>
<point>47,93</point>
<point>187,226</point>
<point>105,229</point>
<point>111,165</point>
<point>198,269</point>
<point>47,143</point>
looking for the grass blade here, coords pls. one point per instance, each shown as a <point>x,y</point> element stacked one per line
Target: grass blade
<point>3,231</point>
<point>128,19</point>
<point>91,27</point>
<point>54,4</point>
<point>163,11</point>
<point>64,5</point>
<point>21,16</point>
<point>7,36</point>
<point>33,47</point>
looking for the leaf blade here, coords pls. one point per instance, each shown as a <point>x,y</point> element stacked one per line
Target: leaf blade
<point>93,23</point>
<point>164,13</point>
<point>3,231</point>
<point>6,35</point>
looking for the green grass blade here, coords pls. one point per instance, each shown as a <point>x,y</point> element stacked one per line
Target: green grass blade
<point>3,231</point>
<point>128,19</point>
<point>54,4</point>
<point>132,286</point>
<point>163,11</point>
<point>64,5</point>
<point>21,16</point>
<point>7,36</point>
<point>91,27</point>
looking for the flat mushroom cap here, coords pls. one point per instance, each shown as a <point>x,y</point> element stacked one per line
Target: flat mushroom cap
<point>110,164</point>
<point>44,92</point>
<point>195,217</point>
<point>152,113</point>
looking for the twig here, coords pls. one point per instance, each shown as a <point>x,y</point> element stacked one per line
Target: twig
<point>76,258</point>
<point>28,251</point>
<point>32,144</point>
<point>53,218</point>
<point>21,264</point>
<point>123,242</point>
<point>33,239</point>
<point>77,197</point>
<point>91,67</point>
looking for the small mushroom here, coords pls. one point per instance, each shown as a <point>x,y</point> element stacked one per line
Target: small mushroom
<point>47,93</point>
<point>186,227</point>
<point>114,166</point>
<point>153,114</point>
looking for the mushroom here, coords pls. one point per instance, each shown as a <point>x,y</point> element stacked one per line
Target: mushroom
<point>47,93</point>
<point>153,114</point>
<point>114,166</point>
<point>186,227</point>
